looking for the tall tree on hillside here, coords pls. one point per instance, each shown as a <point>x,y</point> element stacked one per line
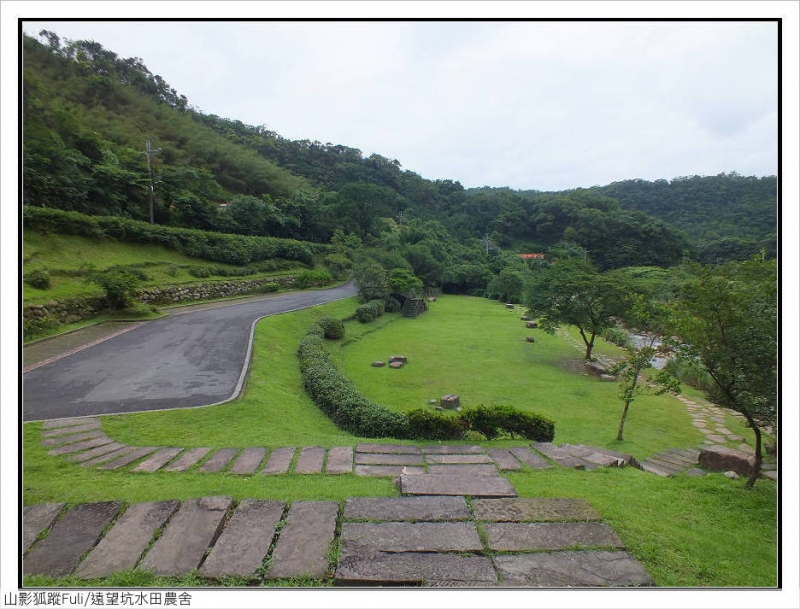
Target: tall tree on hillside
<point>726,318</point>
<point>573,292</point>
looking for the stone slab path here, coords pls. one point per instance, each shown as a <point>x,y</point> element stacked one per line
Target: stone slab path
<point>441,541</point>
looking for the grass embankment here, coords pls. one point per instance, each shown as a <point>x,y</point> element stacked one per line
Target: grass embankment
<point>68,257</point>
<point>708,531</point>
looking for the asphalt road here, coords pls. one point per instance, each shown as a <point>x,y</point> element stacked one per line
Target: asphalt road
<point>188,359</point>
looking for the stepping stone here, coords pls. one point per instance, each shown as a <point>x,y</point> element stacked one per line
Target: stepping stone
<point>463,470</point>
<point>187,459</point>
<point>182,546</point>
<point>695,472</point>
<point>735,438</point>
<point>393,449</point>
<point>242,546</point>
<point>58,423</point>
<point>472,486</point>
<point>79,446</point>
<point>380,471</point>
<point>37,518</point>
<point>130,457</point>
<point>533,509</point>
<point>157,460</point>
<point>529,458</point>
<point>572,569</point>
<point>58,554</point>
<point>689,454</point>
<point>771,474</point>
<point>559,455</point>
<point>340,460</point>
<point>723,431</point>
<point>97,452</point>
<point>458,459</point>
<point>279,460</point>
<point>248,461</point>
<point>218,460</point>
<point>504,459</point>
<point>82,427</point>
<point>439,449</point>
<point>526,537</point>
<point>717,439</point>
<point>657,469</point>
<point>310,460</point>
<point>387,459</point>
<point>108,456</point>
<point>371,537</point>
<point>123,545</point>
<point>406,508</point>
<point>677,460</point>
<point>412,568</point>
<point>97,433</point>
<point>303,544</point>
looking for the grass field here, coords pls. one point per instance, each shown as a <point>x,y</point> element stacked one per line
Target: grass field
<point>708,531</point>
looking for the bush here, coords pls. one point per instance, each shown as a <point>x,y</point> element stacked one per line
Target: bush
<point>392,305</point>
<point>333,327</point>
<point>201,272</point>
<point>268,288</point>
<point>119,286</point>
<point>312,279</point>
<point>39,279</point>
<point>36,326</point>
<point>617,336</point>
<point>366,313</point>
<point>426,425</point>
<point>492,421</point>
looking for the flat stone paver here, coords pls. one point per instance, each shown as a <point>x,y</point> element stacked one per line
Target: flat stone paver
<point>108,456</point>
<point>302,547</point>
<point>471,486</point>
<point>310,460</point>
<point>382,471</point>
<point>218,461</point>
<point>525,509</point>
<point>248,461</point>
<point>412,568</point>
<point>458,459</point>
<point>37,518</point>
<point>58,554</point>
<point>526,537</point>
<point>559,455</point>
<point>504,459</point>
<point>659,468</point>
<point>340,460</point>
<point>82,427</point>
<point>481,469</point>
<point>187,459</point>
<point>79,446</point>
<point>132,456</point>
<point>123,545</point>
<point>427,508</point>
<point>388,459</point>
<point>96,452</point>
<point>572,569</point>
<point>389,449</point>
<point>87,435</point>
<point>182,546</point>
<point>71,422</point>
<point>529,458</point>
<point>158,460</point>
<point>370,537</point>
<point>242,546</point>
<point>279,460</point>
<point>456,449</point>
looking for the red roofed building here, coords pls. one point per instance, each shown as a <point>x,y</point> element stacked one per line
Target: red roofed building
<point>532,256</point>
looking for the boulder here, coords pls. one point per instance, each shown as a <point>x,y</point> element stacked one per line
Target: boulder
<point>378,364</point>
<point>396,364</point>
<point>432,299</point>
<point>531,324</point>
<point>398,358</point>
<point>595,369</point>
<point>723,459</point>
<point>525,318</point>
<point>607,377</point>
<point>509,306</point>
<point>433,401</point>
<point>450,402</point>
<point>530,339</point>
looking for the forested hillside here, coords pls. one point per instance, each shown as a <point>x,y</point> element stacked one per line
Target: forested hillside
<point>87,115</point>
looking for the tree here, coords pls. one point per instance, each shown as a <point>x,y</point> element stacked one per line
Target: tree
<point>403,281</point>
<point>726,320</point>
<point>573,292</point>
<point>371,280</point>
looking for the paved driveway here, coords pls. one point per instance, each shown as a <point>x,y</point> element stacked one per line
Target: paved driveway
<point>195,358</point>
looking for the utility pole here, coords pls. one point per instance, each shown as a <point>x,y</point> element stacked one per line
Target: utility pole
<point>150,152</point>
<point>486,242</point>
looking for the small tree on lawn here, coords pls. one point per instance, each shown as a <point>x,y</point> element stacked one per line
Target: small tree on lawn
<point>726,321</point>
<point>573,292</point>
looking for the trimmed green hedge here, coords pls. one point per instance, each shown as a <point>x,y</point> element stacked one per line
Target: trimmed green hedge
<point>370,311</point>
<point>492,421</point>
<point>218,247</point>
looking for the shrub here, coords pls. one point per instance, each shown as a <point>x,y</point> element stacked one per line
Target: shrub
<point>492,421</point>
<point>392,305</point>
<point>36,326</point>
<point>339,265</point>
<point>379,306</point>
<point>200,272</point>
<point>268,288</point>
<point>427,425</point>
<point>309,279</point>
<point>333,327</point>
<point>617,336</point>
<point>119,286</point>
<point>366,313</point>
<point>39,279</point>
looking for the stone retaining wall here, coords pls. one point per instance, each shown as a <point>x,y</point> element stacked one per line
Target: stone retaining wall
<point>64,312</point>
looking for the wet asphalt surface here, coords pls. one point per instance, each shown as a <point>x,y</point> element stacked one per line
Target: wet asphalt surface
<point>188,359</point>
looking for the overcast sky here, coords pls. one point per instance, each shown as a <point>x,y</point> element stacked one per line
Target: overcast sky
<point>525,104</point>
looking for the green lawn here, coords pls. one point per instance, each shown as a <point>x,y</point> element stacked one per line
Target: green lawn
<point>708,531</point>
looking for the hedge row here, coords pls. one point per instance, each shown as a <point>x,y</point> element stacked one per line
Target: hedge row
<point>352,412</point>
<point>218,247</point>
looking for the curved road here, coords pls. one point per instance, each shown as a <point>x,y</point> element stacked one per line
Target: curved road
<point>187,359</point>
